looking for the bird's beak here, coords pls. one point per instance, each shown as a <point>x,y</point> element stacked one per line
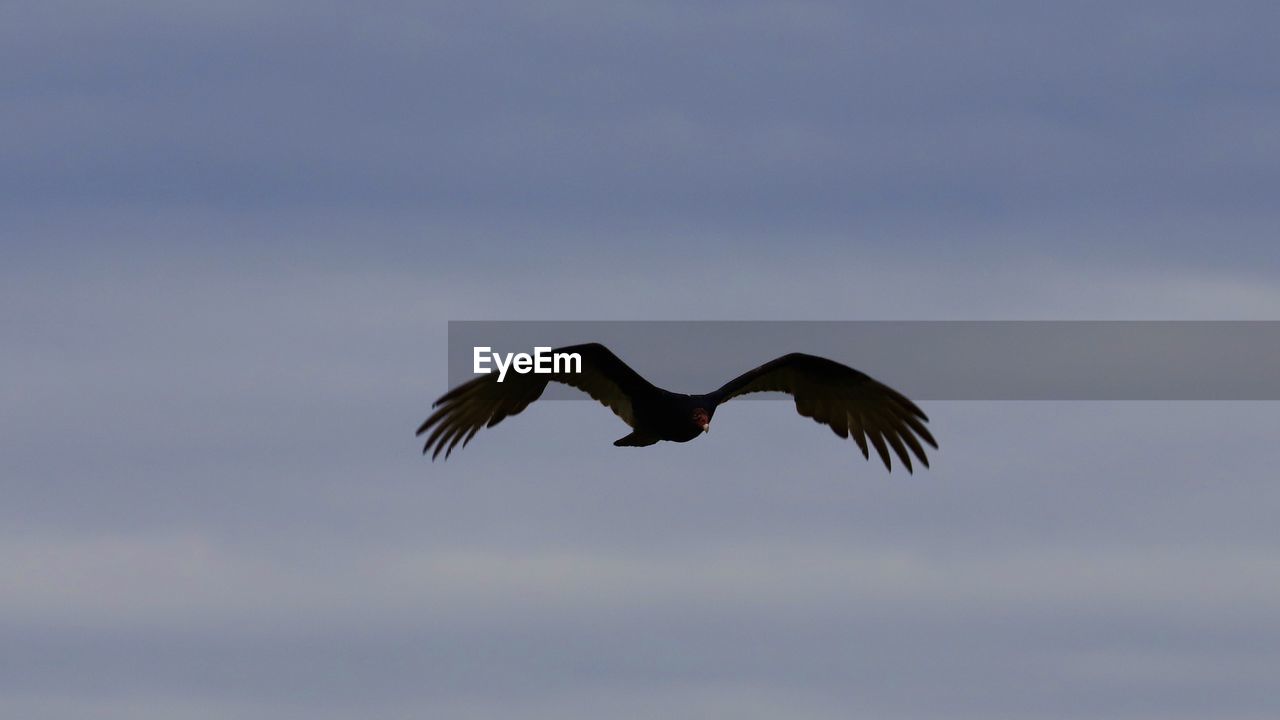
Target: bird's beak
<point>706,427</point>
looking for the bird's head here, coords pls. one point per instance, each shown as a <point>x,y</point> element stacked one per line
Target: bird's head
<point>702,419</point>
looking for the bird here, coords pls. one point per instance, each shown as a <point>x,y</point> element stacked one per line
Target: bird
<point>850,402</point>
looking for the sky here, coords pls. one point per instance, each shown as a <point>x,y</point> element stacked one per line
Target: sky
<point>233,235</point>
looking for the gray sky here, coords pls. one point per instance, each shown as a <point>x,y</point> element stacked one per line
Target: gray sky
<point>232,235</point>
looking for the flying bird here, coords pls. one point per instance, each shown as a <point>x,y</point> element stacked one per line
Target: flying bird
<point>848,401</point>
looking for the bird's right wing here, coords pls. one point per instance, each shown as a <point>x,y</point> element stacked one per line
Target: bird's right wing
<point>484,402</point>
<point>848,401</point>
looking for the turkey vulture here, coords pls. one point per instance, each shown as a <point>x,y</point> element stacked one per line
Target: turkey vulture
<point>846,400</point>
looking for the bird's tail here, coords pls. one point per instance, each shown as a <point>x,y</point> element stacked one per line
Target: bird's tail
<point>636,439</point>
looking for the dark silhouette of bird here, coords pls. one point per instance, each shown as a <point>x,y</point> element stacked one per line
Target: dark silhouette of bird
<point>848,401</point>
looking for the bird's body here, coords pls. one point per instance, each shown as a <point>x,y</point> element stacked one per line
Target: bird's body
<point>664,416</point>
<point>848,401</point>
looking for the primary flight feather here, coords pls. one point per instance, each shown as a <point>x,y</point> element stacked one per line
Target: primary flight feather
<point>850,402</point>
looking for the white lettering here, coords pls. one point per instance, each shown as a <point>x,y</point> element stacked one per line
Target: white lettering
<point>502,366</point>
<point>539,355</point>
<point>569,360</point>
<point>542,362</point>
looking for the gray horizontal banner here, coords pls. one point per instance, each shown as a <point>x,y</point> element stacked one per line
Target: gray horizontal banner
<point>926,360</point>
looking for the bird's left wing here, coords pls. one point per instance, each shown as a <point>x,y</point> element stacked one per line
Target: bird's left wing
<point>848,401</point>
<point>484,402</point>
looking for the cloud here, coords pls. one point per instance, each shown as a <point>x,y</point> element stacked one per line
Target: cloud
<point>191,583</point>
<point>817,120</point>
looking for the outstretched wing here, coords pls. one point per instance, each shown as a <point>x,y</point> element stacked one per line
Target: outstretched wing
<point>850,402</point>
<point>484,402</point>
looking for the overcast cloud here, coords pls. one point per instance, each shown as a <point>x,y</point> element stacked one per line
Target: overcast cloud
<point>233,233</point>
